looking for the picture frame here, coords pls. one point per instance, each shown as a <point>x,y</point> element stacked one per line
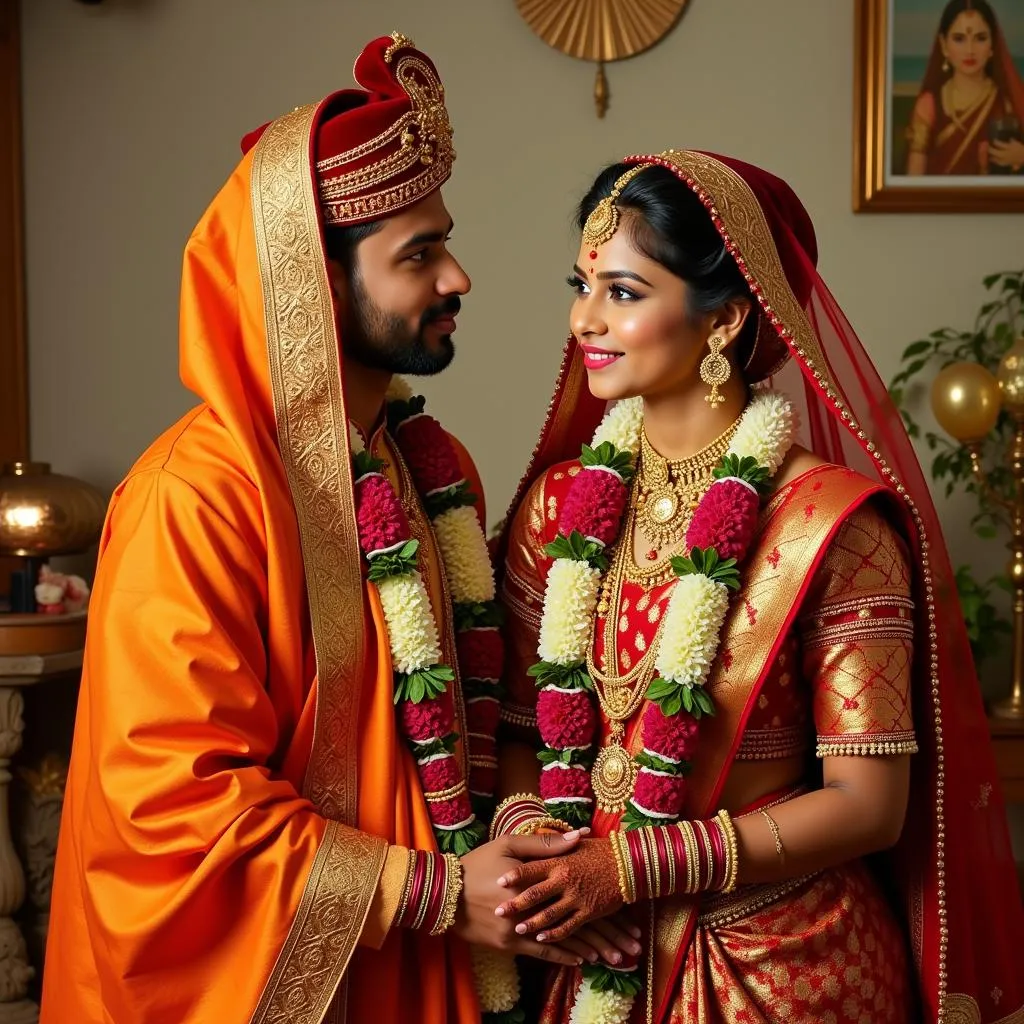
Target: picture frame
<point>903,75</point>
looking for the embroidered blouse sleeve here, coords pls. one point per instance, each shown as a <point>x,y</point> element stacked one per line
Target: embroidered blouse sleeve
<point>857,635</point>
<point>522,595</point>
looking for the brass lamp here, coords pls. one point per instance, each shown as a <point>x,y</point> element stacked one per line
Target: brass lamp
<point>43,514</point>
<point>966,399</point>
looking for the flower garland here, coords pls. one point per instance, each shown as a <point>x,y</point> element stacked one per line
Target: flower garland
<point>718,538</point>
<point>425,703</point>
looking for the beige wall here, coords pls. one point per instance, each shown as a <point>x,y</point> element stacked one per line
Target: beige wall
<point>134,109</point>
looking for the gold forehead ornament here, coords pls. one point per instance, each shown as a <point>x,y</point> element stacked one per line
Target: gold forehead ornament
<point>603,221</point>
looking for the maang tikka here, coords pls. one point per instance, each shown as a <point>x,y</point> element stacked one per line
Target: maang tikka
<point>603,221</point>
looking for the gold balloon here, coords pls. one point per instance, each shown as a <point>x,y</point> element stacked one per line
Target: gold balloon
<point>1011,378</point>
<point>44,513</point>
<point>965,400</point>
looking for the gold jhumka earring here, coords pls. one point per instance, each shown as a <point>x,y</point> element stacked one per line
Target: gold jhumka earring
<point>715,371</point>
<point>603,221</point>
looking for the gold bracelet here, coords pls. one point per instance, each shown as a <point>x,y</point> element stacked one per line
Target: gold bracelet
<point>732,860</point>
<point>703,884</point>
<point>671,866</point>
<point>653,884</point>
<point>683,827</point>
<point>410,874</point>
<point>775,832</point>
<point>534,825</point>
<point>626,885</point>
<point>453,890</point>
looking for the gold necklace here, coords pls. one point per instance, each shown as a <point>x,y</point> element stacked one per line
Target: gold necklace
<point>669,490</point>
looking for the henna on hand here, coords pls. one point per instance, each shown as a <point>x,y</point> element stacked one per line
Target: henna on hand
<point>578,888</point>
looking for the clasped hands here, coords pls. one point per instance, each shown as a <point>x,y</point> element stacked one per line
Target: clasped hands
<point>548,896</point>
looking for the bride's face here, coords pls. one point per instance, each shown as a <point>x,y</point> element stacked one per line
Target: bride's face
<point>630,317</point>
<point>968,44</point>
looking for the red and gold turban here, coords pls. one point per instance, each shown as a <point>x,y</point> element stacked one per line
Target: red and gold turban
<point>387,145</point>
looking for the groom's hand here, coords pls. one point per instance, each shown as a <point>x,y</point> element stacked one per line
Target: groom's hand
<point>476,922</point>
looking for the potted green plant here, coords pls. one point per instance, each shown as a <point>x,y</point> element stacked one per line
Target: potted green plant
<point>999,321</point>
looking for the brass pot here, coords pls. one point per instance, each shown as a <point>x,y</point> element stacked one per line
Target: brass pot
<point>44,514</point>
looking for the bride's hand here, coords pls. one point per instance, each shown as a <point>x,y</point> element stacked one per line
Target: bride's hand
<point>577,889</point>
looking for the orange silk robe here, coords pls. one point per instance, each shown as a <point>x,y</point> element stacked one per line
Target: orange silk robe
<point>239,801</point>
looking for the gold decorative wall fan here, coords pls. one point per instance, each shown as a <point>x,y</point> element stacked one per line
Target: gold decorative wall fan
<point>601,30</point>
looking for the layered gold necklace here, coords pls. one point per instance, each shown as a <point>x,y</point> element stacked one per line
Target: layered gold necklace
<point>662,500</point>
<point>668,490</point>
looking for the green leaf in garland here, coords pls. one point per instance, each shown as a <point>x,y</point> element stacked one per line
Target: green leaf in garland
<point>747,469</point>
<point>580,757</point>
<point>400,410</point>
<point>605,979</point>
<point>609,457</point>
<point>437,745</point>
<point>705,704</point>
<point>656,764</point>
<point>364,463</point>
<point>462,840</point>
<point>568,677</point>
<point>577,548</point>
<point>635,818</point>
<point>471,615</point>
<point>402,562</point>
<point>705,562</point>
<point>457,496</point>
<point>422,684</point>
<point>575,814</point>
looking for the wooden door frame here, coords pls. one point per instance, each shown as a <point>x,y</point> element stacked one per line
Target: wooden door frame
<point>13,354</point>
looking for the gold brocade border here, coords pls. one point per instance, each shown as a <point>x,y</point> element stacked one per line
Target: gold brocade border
<point>305,374</point>
<point>312,431</point>
<point>964,1009</point>
<point>800,542</point>
<point>327,926</point>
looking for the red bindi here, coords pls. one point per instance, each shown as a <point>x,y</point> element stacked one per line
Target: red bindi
<point>593,254</point>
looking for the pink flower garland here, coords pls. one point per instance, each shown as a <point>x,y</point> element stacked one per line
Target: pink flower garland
<point>434,466</point>
<point>725,521</point>
<point>429,725</point>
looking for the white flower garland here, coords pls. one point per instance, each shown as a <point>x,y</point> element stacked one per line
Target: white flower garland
<point>693,620</point>
<point>415,644</point>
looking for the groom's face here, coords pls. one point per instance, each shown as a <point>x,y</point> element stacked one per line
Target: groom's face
<point>398,302</point>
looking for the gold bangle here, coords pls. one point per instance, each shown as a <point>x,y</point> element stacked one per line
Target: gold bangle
<point>653,883</point>
<point>534,825</point>
<point>613,838</point>
<point>692,858</point>
<point>732,861</point>
<point>627,879</point>
<point>506,803</point>
<point>775,832</point>
<point>410,874</point>
<point>705,883</point>
<point>671,866</point>
<point>453,890</point>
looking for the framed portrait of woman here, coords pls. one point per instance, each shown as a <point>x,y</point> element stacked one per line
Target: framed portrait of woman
<point>939,106</point>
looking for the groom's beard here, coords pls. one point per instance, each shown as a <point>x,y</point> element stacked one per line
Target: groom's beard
<point>380,340</point>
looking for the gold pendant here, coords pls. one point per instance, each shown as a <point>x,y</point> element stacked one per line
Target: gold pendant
<point>613,778</point>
